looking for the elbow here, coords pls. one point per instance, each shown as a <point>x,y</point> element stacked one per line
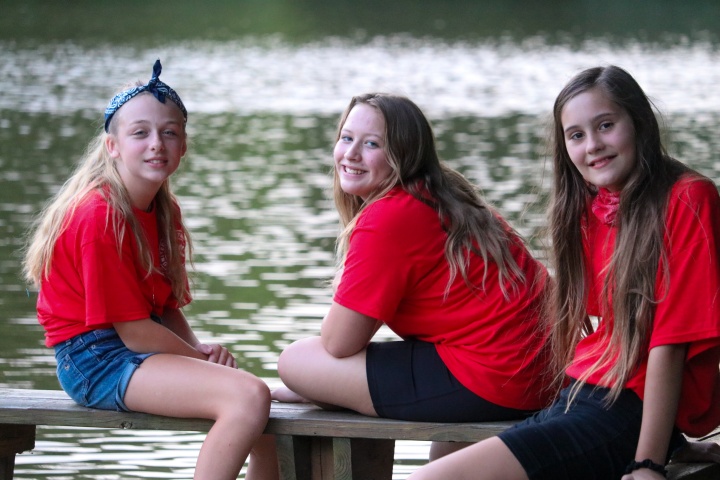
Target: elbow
<point>337,352</point>
<point>339,349</point>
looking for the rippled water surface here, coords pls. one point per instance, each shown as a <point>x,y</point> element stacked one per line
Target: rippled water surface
<point>254,188</point>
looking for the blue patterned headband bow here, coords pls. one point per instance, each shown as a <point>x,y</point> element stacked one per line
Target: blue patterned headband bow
<point>155,86</point>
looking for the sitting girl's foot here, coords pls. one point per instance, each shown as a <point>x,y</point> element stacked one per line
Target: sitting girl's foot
<point>285,395</point>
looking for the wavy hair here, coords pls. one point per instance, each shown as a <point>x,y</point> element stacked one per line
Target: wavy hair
<point>470,223</point>
<point>631,276</point>
<point>96,172</point>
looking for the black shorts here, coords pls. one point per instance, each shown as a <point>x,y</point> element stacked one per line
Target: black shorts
<point>409,381</point>
<point>590,441</point>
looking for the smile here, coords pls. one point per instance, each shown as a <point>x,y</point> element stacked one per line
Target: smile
<point>352,171</point>
<point>601,162</point>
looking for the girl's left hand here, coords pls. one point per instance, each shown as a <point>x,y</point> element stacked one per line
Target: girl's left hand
<point>217,354</point>
<point>643,474</point>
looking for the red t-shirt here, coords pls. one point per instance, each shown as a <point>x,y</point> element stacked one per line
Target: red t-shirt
<point>688,312</point>
<point>396,272</point>
<point>91,285</point>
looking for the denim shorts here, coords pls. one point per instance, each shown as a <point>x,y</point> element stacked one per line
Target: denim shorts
<point>94,368</point>
<point>409,381</point>
<point>590,441</point>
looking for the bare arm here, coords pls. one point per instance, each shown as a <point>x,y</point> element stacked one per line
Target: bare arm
<point>662,395</point>
<point>345,332</point>
<point>174,319</point>
<point>147,336</point>
<point>174,336</point>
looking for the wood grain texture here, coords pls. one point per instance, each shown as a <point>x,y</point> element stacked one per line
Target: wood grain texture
<point>313,444</point>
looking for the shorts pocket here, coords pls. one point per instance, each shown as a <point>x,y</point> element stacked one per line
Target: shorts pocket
<point>73,381</point>
<point>105,344</point>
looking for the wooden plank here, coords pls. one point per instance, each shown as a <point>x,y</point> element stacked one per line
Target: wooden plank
<point>286,457</point>
<point>372,459</point>
<point>7,467</point>
<point>54,408</point>
<point>342,459</point>
<point>14,439</point>
<point>693,471</point>
<point>323,459</point>
<point>313,444</point>
<point>303,457</point>
<point>313,421</point>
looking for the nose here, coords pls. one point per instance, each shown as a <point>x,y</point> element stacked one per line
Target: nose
<point>156,141</point>
<point>352,152</point>
<point>594,142</point>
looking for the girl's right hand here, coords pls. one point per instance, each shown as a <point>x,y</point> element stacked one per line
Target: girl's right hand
<point>643,474</point>
<point>217,354</point>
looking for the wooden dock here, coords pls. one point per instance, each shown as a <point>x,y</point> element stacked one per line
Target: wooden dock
<point>313,444</point>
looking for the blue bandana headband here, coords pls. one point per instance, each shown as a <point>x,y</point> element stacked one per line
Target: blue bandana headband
<point>155,86</point>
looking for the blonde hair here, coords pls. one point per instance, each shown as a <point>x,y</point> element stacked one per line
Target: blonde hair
<point>471,225</point>
<point>96,172</point>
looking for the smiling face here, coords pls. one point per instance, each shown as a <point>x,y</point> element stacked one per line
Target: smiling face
<point>599,138</point>
<point>147,140</point>
<point>361,163</point>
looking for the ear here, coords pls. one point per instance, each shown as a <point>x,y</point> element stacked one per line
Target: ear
<point>184,147</point>
<point>112,146</point>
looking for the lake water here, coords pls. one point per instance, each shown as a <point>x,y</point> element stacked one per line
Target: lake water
<point>264,92</point>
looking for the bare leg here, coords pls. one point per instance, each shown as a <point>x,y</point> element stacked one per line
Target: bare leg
<point>487,460</point>
<point>184,387</point>
<point>263,460</point>
<point>440,449</point>
<point>311,372</point>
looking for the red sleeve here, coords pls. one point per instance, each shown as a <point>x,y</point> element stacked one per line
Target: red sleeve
<point>688,310</point>
<point>689,306</point>
<point>385,256</point>
<point>111,279</point>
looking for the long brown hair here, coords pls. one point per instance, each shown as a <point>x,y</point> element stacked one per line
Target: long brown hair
<point>631,276</point>
<point>470,223</point>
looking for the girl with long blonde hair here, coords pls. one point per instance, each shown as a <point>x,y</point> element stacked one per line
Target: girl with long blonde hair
<point>108,255</point>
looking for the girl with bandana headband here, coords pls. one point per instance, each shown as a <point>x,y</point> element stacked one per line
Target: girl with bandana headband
<point>635,245</point>
<point>108,254</point>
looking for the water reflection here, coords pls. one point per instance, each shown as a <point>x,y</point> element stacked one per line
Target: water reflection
<point>488,79</point>
<point>254,187</point>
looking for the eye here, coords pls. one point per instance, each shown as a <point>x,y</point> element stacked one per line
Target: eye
<point>372,144</point>
<point>606,125</point>
<point>138,133</point>
<point>575,136</point>
<point>345,138</point>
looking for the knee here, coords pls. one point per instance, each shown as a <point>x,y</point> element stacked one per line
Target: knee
<point>248,400</point>
<point>257,394</point>
<point>293,358</point>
